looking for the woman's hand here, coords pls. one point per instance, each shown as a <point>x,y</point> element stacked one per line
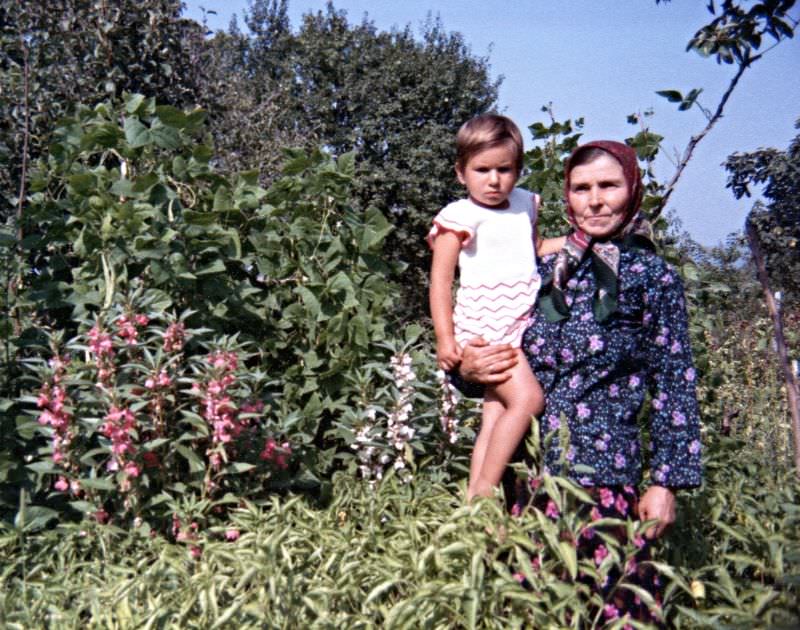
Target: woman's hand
<point>482,363</point>
<point>448,354</point>
<point>657,502</point>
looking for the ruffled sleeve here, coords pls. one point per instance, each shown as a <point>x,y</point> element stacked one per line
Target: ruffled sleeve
<point>453,218</point>
<point>675,418</point>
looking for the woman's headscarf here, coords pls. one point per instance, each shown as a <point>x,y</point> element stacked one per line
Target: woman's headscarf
<point>634,231</point>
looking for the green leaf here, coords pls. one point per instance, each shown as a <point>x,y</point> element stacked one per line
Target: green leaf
<point>136,134</point>
<point>171,116</point>
<point>673,96</point>
<point>196,464</point>
<point>99,483</point>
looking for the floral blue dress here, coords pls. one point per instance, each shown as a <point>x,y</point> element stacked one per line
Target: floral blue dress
<point>595,377</point>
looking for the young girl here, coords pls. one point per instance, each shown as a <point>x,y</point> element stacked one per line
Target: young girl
<point>490,236</point>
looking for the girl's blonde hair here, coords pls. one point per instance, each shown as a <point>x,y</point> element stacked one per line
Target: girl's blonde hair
<point>486,132</point>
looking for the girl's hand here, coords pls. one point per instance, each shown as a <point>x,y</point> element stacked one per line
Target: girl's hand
<point>482,363</point>
<point>448,354</point>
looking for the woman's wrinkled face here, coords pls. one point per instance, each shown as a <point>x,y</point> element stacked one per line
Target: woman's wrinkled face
<point>598,195</point>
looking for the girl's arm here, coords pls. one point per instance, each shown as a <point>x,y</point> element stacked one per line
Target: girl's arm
<point>446,248</point>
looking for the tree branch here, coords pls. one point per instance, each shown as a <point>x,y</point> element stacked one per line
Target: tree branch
<point>15,280</point>
<point>695,140</point>
<point>780,341</point>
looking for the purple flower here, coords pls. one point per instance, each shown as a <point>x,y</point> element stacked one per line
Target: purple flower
<point>595,343</point>
<point>667,278</point>
<point>585,481</point>
<point>553,423</point>
<point>660,475</point>
<point>566,355</point>
<point>570,454</point>
<point>634,381</point>
<point>619,460</point>
<point>694,447</point>
<point>600,445</point>
<point>586,317</point>
<point>550,360</point>
<point>539,341</point>
<point>583,285</point>
<point>676,347</point>
<point>583,411</point>
<point>657,404</point>
<point>647,318</point>
<point>572,283</point>
<point>533,349</point>
<point>637,268</point>
<point>661,340</point>
<point>606,497</point>
<point>689,375</point>
<point>678,418</point>
<point>575,381</point>
<point>613,390</point>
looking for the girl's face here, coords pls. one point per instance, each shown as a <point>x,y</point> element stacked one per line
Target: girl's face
<point>490,175</point>
<point>598,195</point>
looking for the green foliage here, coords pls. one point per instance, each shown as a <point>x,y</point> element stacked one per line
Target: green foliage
<point>127,202</point>
<point>776,223</point>
<point>393,99</point>
<point>736,30</point>
<point>57,55</point>
<point>401,556</point>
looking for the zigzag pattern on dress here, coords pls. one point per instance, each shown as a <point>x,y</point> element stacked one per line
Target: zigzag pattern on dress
<point>498,313</point>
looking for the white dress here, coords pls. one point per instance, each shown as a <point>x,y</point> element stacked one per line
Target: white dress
<point>498,277</point>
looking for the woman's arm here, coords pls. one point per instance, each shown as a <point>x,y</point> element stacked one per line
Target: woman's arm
<point>674,416</point>
<point>547,246</point>
<point>446,247</point>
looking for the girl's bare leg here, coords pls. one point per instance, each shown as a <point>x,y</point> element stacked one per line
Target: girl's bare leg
<point>492,410</point>
<point>521,397</point>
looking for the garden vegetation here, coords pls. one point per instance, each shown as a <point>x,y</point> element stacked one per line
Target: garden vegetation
<point>220,406</point>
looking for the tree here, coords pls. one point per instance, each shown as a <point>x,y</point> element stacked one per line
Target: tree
<point>393,99</point>
<point>776,223</point>
<point>57,54</point>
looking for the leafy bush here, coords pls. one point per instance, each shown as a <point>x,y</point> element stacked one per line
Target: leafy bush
<point>402,555</point>
<point>128,219</point>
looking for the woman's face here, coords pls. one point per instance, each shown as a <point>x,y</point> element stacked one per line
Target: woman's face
<point>598,195</point>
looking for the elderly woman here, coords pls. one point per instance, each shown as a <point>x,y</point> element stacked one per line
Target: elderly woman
<point>610,325</point>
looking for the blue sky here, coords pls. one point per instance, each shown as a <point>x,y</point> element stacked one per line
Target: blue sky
<point>603,60</point>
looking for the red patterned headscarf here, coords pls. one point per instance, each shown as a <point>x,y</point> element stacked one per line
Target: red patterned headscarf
<point>634,231</point>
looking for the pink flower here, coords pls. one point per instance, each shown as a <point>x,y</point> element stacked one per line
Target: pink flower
<point>552,510</point>
<point>610,611</point>
<point>606,497</point>
<point>600,554</point>
<point>132,469</point>
<point>232,534</point>
<point>621,504</point>
<point>195,552</point>
<point>174,337</point>
<point>61,484</point>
